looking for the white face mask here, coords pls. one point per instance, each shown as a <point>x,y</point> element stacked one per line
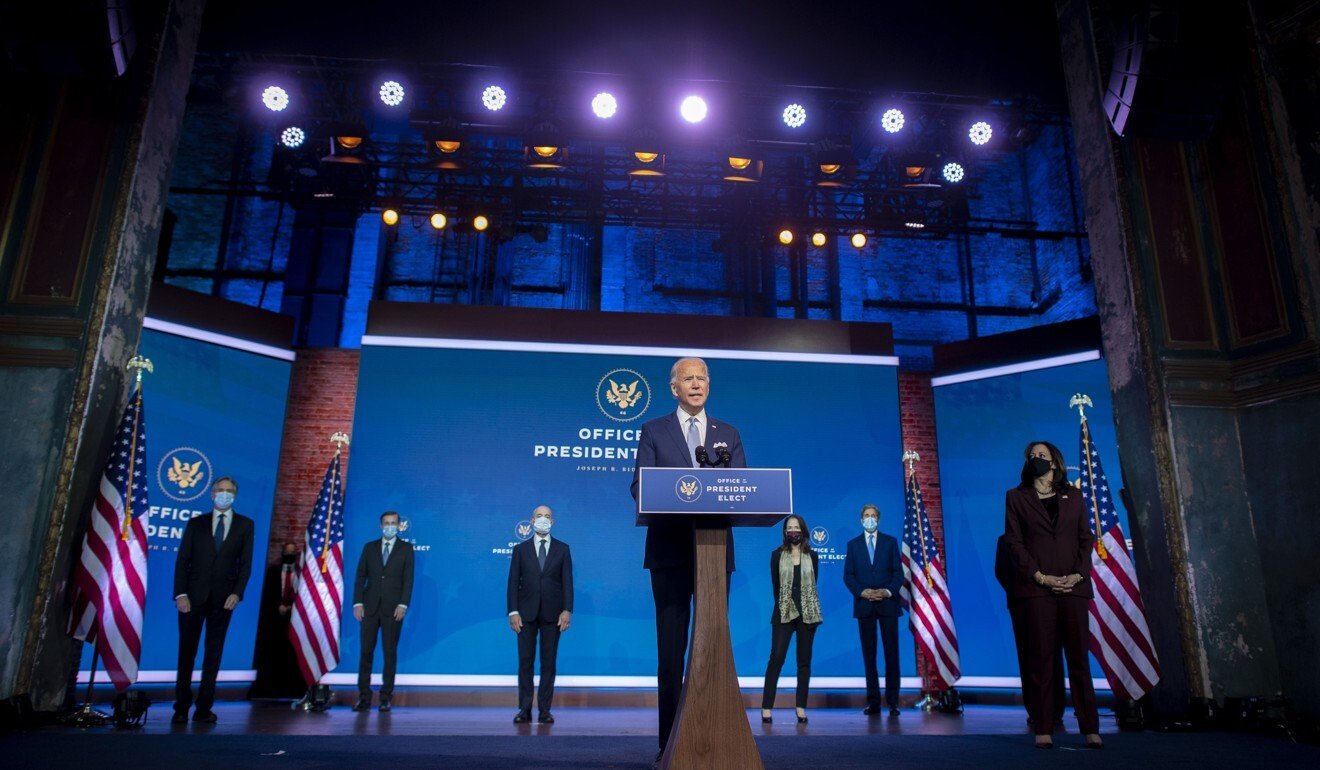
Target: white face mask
<point>870,524</point>
<point>541,525</point>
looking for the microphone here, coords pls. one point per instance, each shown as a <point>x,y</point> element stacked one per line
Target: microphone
<point>724,457</point>
<point>703,458</point>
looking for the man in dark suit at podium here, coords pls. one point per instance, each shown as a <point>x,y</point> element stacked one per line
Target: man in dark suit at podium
<point>540,603</point>
<point>874,574</point>
<point>671,441</point>
<point>381,593</point>
<point>210,574</point>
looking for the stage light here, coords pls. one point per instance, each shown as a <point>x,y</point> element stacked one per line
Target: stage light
<point>646,157</point>
<point>347,143</point>
<point>438,220</point>
<point>480,223</point>
<point>893,120</point>
<point>786,237</point>
<point>858,240</point>
<point>391,93</point>
<point>818,239</point>
<point>293,137</point>
<point>494,98</point>
<point>739,164</point>
<point>795,116</point>
<point>447,146</point>
<point>744,165</point>
<point>390,217</point>
<point>835,163</point>
<point>980,132</point>
<point>648,151</point>
<point>544,147</point>
<point>444,139</point>
<point>913,225</point>
<point>829,169</point>
<point>275,98</point>
<point>604,105</point>
<point>693,109</point>
<point>953,172</point>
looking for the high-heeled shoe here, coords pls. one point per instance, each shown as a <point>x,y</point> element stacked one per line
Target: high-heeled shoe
<point>802,720</point>
<point>765,720</point>
<point>1093,742</point>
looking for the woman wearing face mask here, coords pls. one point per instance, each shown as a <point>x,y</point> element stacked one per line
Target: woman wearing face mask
<point>793,569</point>
<point>1047,531</point>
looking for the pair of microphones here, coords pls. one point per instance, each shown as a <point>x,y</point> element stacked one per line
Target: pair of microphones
<point>723,458</point>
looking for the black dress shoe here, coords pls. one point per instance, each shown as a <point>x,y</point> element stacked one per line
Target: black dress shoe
<point>363,704</point>
<point>522,717</point>
<point>802,720</point>
<point>767,720</point>
<point>179,718</point>
<point>893,711</point>
<point>385,704</point>
<point>205,717</point>
<point>871,709</point>
<point>545,718</point>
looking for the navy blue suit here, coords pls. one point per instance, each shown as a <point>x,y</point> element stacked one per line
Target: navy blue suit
<point>539,594</point>
<point>671,553</point>
<point>859,573</point>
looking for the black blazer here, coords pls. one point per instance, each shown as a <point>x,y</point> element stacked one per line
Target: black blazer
<point>663,445</point>
<point>1038,546</point>
<point>538,594</point>
<point>887,572</point>
<point>774,578</point>
<point>379,585</point>
<point>203,573</point>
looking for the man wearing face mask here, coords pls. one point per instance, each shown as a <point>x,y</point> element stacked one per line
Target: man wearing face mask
<point>873,573</point>
<point>381,593</point>
<point>540,603</point>
<point>211,572</point>
<point>278,675</point>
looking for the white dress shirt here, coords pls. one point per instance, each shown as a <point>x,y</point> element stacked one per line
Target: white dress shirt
<point>683,418</point>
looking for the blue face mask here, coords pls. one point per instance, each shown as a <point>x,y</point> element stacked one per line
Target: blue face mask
<point>390,530</point>
<point>541,525</point>
<point>870,524</point>
<point>224,500</point>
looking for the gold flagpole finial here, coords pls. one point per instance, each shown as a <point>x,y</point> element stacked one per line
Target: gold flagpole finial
<point>340,439</point>
<point>1080,401</point>
<point>138,364</point>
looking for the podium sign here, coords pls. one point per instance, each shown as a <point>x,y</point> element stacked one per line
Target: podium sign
<point>717,497</point>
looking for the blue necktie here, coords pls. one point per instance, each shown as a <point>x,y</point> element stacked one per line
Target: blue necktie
<point>385,557</point>
<point>693,439</point>
<point>219,531</point>
<point>870,546</point>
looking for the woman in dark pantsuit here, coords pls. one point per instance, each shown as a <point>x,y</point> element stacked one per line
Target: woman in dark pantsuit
<point>793,570</point>
<point>1046,528</point>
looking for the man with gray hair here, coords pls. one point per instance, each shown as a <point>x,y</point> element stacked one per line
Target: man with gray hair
<point>540,604</point>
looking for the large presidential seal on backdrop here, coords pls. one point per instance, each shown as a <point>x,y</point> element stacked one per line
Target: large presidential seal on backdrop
<point>184,473</point>
<point>623,395</point>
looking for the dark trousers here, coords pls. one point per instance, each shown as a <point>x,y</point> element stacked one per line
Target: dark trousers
<point>548,630</point>
<point>672,590</point>
<point>780,633</point>
<point>1017,613</point>
<point>1053,621</point>
<point>384,622</point>
<point>215,618</point>
<point>889,639</point>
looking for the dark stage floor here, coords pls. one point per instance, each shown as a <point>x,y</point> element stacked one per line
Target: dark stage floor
<point>271,735</point>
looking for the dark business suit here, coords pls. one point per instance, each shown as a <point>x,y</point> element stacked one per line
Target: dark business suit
<point>380,587</point>
<point>781,632</point>
<point>859,573</point>
<point>539,594</point>
<point>1007,575</point>
<point>1059,548</point>
<point>671,553</point>
<point>208,576</point>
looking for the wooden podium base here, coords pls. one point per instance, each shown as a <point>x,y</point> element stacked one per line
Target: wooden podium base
<point>711,731</point>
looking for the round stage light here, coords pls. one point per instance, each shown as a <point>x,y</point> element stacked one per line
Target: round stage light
<point>480,223</point>
<point>604,105</point>
<point>391,93</point>
<point>818,239</point>
<point>438,220</point>
<point>693,109</point>
<point>795,116</point>
<point>494,98</point>
<point>275,98</point>
<point>893,120</point>
<point>980,132</point>
<point>389,217</point>
<point>953,172</point>
<point>292,137</point>
<point>858,240</point>
<point>786,237</point>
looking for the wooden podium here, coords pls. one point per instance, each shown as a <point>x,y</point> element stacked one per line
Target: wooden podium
<point>710,731</point>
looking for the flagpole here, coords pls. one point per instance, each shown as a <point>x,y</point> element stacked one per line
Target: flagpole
<point>86,715</point>
<point>927,702</point>
<point>341,440</point>
<point>1081,401</point>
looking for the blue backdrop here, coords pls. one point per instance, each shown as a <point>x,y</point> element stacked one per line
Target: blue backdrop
<point>464,443</point>
<point>982,427</point>
<point>221,411</point>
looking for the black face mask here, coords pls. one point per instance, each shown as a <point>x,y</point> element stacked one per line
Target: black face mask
<point>793,538</point>
<point>1037,466</point>
<point>290,558</point>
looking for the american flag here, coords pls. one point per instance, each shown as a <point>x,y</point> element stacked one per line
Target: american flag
<point>1120,638</point>
<point>314,627</point>
<point>110,580</point>
<point>925,595</point>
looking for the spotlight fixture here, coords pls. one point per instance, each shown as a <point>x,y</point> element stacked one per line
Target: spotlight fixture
<point>980,132</point>
<point>786,236</point>
<point>275,98</point>
<point>545,147</point>
<point>893,120</point>
<point>835,163</point>
<point>915,225</point>
<point>648,153</point>
<point>444,139</point>
<point>480,223</point>
<point>390,217</point>
<point>795,116</point>
<point>391,93</point>
<point>494,98</point>
<point>858,240</point>
<point>293,137</point>
<point>347,143</point>
<point>693,109</point>
<point>953,172</point>
<point>818,239</point>
<point>438,220</point>
<point>130,709</point>
<point>918,170</point>
<point>604,105</point>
